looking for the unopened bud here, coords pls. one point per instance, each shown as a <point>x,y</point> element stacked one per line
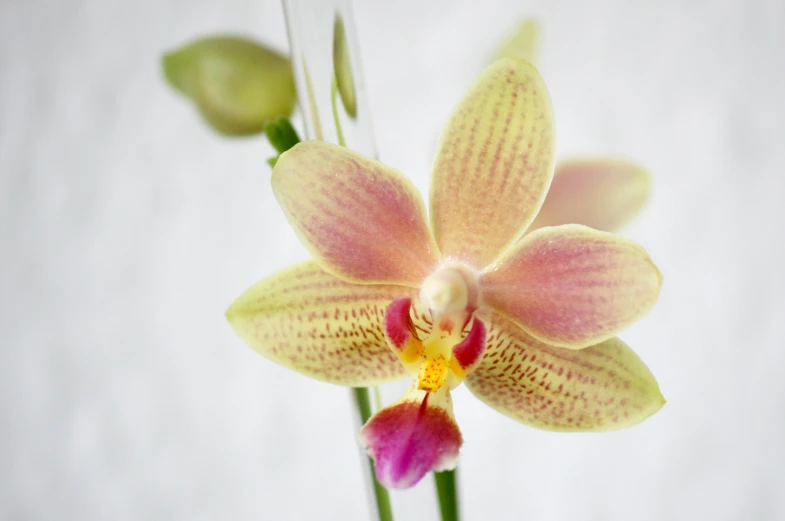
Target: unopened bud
<point>237,84</point>
<point>342,64</point>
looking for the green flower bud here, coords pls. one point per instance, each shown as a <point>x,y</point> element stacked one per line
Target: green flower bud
<point>237,84</point>
<point>343,68</point>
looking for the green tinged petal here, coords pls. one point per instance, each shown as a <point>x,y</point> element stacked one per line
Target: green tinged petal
<point>522,43</point>
<point>237,84</point>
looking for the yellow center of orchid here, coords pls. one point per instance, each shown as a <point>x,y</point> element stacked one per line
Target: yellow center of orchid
<point>433,373</point>
<point>444,357</point>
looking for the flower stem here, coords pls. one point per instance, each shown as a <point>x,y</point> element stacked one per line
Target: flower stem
<point>383,506</point>
<point>448,494</point>
<point>336,118</point>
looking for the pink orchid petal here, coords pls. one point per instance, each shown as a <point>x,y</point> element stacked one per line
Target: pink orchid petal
<point>398,327</point>
<point>603,387</point>
<point>572,286</point>
<point>600,193</point>
<point>361,220</point>
<point>494,164</point>
<point>399,331</point>
<point>411,438</point>
<point>308,320</point>
<point>469,352</point>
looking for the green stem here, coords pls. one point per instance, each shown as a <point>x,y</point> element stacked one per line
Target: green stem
<point>281,134</point>
<point>334,103</point>
<point>448,494</point>
<point>383,506</point>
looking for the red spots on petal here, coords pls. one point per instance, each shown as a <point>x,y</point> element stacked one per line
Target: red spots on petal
<point>574,390</point>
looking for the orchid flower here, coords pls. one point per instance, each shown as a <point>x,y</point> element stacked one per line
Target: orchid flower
<point>527,321</point>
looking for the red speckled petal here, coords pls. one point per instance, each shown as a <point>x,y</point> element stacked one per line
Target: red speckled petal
<point>494,164</point>
<point>361,220</point>
<point>315,323</point>
<point>601,388</point>
<point>572,286</point>
<point>413,437</point>
<point>601,193</point>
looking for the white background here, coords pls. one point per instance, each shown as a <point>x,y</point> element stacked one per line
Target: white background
<point>127,227</point>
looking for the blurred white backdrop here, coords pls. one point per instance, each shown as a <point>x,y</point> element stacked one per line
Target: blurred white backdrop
<point>127,227</point>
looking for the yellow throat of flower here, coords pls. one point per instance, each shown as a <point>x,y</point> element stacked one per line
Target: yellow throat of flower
<point>445,356</point>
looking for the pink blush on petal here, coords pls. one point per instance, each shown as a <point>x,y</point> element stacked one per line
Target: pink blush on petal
<point>408,440</point>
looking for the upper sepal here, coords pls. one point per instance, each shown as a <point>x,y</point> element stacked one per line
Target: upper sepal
<point>494,163</point>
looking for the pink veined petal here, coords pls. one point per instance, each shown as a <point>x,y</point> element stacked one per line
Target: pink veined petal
<point>603,387</point>
<point>361,220</point>
<point>494,164</point>
<point>308,320</point>
<point>572,286</point>
<point>600,193</point>
<point>413,437</point>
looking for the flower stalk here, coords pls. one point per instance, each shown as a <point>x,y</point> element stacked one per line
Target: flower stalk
<point>448,494</point>
<point>383,506</point>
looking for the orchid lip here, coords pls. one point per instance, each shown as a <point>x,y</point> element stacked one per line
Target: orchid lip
<point>412,437</point>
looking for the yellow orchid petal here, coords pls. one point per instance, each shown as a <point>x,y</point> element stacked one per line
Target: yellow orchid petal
<point>601,193</point>
<point>308,320</point>
<point>494,164</point>
<point>522,43</point>
<point>572,286</point>
<point>601,388</point>
<point>362,221</point>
